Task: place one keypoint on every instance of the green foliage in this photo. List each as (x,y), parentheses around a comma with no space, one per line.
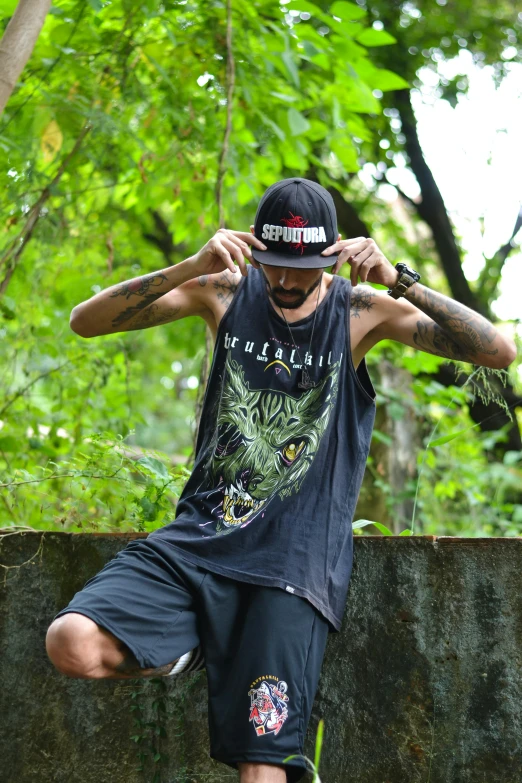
(97,434)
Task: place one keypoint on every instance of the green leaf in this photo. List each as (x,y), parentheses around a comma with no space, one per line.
(347,11)
(279,132)
(343,147)
(284,97)
(512,457)
(371,37)
(306,7)
(10,443)
(291,67)
(406,532)
(298,124)
(154,466)
(382,79)
(96,5)
(451,436)
(318,744)
(364,522)
(384,530)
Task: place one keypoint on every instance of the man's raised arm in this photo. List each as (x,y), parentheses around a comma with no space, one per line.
(166,295)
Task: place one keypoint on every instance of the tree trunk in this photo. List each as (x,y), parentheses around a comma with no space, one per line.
(402,455)
(18,43)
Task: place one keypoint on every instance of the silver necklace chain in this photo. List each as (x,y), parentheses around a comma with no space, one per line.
(305,382)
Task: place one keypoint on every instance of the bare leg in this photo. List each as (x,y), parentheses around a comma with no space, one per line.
(79,647)
(261,773)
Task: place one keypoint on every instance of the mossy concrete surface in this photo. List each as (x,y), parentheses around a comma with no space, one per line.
(423,684)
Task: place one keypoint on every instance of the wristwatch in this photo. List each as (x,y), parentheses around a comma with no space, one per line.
(407,277)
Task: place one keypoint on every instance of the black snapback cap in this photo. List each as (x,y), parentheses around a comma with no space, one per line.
(296,220)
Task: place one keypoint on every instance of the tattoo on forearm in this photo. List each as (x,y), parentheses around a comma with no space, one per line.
(140,287)
(459,333)
(362,298)
(226,287)
(152,316)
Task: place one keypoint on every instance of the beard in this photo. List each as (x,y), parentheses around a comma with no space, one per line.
(281,296)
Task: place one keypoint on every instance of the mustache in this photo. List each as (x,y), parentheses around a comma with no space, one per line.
(288,292)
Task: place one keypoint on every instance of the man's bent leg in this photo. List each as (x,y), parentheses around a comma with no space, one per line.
(261,773)
(134,618)
(78,647)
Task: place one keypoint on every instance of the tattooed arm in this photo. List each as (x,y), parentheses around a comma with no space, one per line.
(172,293)
(434,323)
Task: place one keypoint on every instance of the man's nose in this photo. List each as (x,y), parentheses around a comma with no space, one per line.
(287,278)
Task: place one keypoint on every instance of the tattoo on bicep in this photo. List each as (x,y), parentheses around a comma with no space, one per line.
(225,287)
(362,299)
(432,338)
(152,316)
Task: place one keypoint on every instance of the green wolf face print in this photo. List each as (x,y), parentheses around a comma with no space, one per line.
(265,442)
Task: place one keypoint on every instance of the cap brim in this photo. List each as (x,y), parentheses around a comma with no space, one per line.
(293,262)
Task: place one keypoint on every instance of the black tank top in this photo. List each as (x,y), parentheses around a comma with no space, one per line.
(278,468)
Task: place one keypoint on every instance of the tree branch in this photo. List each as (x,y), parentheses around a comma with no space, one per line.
(18,42)
(230,83)
(13,253)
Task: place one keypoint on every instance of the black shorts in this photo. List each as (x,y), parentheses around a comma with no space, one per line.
(263,646)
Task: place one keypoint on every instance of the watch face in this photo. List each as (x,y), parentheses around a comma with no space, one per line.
(402,267)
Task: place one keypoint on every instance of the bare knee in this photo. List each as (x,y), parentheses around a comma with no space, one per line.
(73,644)
(252,772)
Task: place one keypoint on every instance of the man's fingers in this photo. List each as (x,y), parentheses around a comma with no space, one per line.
(236,253)
(225,256)
(355,245)
(243,246)
(249,238)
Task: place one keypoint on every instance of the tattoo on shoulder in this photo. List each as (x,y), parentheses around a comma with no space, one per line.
(226,287)
(362,298)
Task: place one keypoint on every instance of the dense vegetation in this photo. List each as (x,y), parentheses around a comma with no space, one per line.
(136,129)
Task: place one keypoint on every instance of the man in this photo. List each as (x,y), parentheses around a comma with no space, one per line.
(252,574)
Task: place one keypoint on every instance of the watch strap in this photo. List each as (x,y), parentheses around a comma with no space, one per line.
(407,277)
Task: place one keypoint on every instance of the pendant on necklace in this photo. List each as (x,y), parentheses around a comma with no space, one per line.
(306,382)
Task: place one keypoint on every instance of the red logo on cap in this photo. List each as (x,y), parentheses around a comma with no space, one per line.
(296,221)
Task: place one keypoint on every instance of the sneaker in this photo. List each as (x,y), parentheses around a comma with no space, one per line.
(193,661)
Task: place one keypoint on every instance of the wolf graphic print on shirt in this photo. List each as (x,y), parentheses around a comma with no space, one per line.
(264,444)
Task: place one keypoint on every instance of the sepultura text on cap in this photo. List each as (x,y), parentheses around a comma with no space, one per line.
(296,220)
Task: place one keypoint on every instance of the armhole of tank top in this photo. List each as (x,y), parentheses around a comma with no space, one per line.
(225,318)
(218,336)
(361,374)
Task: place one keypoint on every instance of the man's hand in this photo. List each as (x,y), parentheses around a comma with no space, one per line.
(225,250)
(367,261)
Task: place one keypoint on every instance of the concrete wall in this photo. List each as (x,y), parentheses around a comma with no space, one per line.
(423,684)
